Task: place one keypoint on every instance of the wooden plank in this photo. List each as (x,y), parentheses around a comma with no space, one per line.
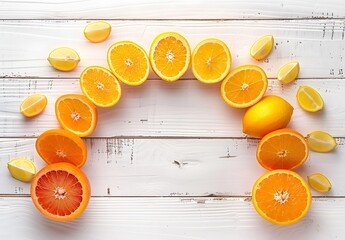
(181,109)
(317,44)
(165,9)
(172,167)
(170,219)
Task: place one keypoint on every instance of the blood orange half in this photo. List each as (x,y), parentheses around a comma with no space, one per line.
(60,191)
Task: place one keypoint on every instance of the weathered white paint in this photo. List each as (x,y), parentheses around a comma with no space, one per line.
(165,9)
(169,219)
(157,108)
(317,44)
(172,167)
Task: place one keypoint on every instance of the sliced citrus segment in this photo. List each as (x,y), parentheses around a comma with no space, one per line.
(60,191)
(170,56)
(100,86)
(211,60)
(269,114)
(76,113)
(129,62)
(282,149)
(22,169)
(320,141)
(244,86)
(288,73)
(33,105)
(281,197)
(59,145)
(319,182)
(97,31)
(64,59)
(262,47)
(309,99)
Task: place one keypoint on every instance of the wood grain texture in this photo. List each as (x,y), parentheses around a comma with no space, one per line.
(170,219)
(159,109)
(172,167)
(317,44)
(165,9)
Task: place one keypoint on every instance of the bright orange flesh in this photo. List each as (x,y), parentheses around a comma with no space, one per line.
(76,113)
(100,86)
(282,149)
(60,191)
(244,86)
(58,145)
(33,105)
(281,197)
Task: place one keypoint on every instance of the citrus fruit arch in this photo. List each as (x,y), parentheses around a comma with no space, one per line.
(280,196)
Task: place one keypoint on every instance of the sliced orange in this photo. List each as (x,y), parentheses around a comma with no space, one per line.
(281,197)
(59,145)
(60,191)
(100,86)
(33,105)
(170,56)
(97,31)
(211,60)
(76,113)
(129,62)
(244,86)
(282,149)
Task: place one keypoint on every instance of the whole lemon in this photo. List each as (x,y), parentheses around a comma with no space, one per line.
(269,114)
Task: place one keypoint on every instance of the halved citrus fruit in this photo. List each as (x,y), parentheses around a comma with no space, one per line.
(170,56)
(59,145)
(262,47)
(76,113)
(60,191)
(33,105)
(64,59)
(100,86)
(320,141)
(97,31)
(281,197)
(269,114)
(319,182)
(282,149)
(129,62)
(244,86)
(211,60)
(309,99)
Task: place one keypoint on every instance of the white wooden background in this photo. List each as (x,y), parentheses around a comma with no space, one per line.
(170,161)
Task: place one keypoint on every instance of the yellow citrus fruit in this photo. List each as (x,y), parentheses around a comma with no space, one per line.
(211,60)
(244,86)
(129,62)
(76,113)
(309,99)
(100,86)
(170,56)
(64,59)
(269,114)
(281,197)
(33,105)
(97,31)
(319,182)
(320,141)
(288,73)
(262,47)
(22,169)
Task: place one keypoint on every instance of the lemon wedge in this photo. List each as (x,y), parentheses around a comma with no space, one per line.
(288,73)
(22,169)
(320,141)
(33,105)
(262,47)
(64,59)
(97,31)
(309,99)
(319,182)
